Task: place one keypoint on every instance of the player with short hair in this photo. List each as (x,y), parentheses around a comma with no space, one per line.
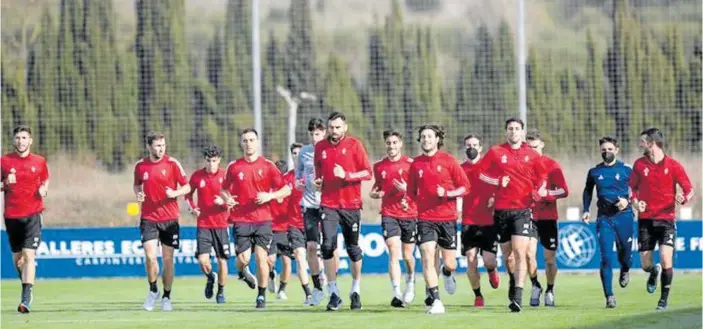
(251,182)
(516,170)
(545,216)
(477,231)
(341,163)
(212,226)
(435,181)
(398,215)
(25,183)
(653,182)
(310,204)
(615,224)
(156,180)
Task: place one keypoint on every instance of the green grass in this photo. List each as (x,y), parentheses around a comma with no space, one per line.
(117,303)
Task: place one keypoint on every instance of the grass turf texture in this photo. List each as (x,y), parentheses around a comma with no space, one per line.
(116,303)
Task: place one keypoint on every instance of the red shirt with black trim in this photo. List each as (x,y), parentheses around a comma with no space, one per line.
(22,197)
(546,208)
(350,154)
(655,184)
(244,180)
(474,206)
(427,173)
(208,185)
(385,172)
(155,177)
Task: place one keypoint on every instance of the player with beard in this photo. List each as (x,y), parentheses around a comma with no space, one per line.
(435,181)
(398,215)
(156,180)
(341,164)
(250,183)
(653,183)
(25,183)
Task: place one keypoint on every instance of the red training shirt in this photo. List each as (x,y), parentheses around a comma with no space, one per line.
(155,177)
(474,208)
(22,198)
(655,184)
(384,172)
(295,211)
(244,180)
(429,172)
(546,208)
(526,174)
(350,154)
(209,186)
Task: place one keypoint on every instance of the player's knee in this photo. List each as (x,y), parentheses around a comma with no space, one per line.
(550,260)
(355,253)
(311,247)
(450,266)
(605,262)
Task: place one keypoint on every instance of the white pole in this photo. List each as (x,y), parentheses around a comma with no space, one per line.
(292,119)
(256,68)
(521,61)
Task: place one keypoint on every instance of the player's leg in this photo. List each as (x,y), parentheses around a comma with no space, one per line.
(243,243)
(222,252)
(503,230)
(447,243)
(263,237)
(297,238)
(407,239)
(223,272)
(150,238)
(666,255)
(624,229)
(391,232)
(647,240)
(606,238)
(330,220)
(168,236)
(520,241)
(286,254)
(472,273)
(536,292)
(549,238)
(27,234)
(427,237)
(205,240)
(311,219)
(272,257)
(350,221)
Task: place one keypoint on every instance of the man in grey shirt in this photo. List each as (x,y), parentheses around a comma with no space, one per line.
(305,181)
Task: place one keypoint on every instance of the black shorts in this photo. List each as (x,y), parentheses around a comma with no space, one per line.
(166,232)
(280,245)
(296,238)
(653,231)
(348,219)
(406,229)
(24,233)
(477,236)
(213,238)
(444,233)
(312,218)
(513,222)
(548,233)
(247,235)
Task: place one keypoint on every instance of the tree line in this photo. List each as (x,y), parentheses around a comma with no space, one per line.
(83,94)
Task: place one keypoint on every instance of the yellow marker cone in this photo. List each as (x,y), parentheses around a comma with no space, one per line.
(133,208)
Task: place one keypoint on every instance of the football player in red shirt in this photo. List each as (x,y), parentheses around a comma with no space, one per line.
(280,246)
(250,183)
(156,181)
(398,215)
(341,163)
(435,182)
(477,231)
(545,216)
(25,183)
(653,184)
(212,225)
(516,170)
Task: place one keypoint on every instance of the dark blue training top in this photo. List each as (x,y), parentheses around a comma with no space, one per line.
(611,182)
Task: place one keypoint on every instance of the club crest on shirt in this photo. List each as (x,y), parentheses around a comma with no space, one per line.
(33,169)
(163,172)
(241,175)
(646,171)
(202,183)
(527,158)
(439,168)
(383,174)
(324,154)
(344,151)
(419,173)
(261,173)
(617,176)
(145,176)
(220,180)
(666,171)
(504,159)
(400,171)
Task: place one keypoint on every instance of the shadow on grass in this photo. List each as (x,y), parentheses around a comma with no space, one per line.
(687,318)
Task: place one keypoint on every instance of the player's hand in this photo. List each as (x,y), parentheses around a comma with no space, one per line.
(641,205)
(263,197)
(622,203)
(376,193)
(339,171)
(300,185)
(404,204)
(586,218)
(231,202)
(170,193)
(680,199)
(43,190)
(441,191)
(318,183)
(12,178)
(401,185)
(504,181)
(491,201)
(141,196)
(542,192)
(195,212)
(219,200)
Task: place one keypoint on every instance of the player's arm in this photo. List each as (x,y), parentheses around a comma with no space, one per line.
(181,179)
(376,192)
(189,196)
(276,180)
(588,192)
(556,178)
(681,179)
(489,172)
(539,180)
(634,184)
(299,173)
(361,161)
(138,188)
(460,181)
(412,182)
(230,200)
